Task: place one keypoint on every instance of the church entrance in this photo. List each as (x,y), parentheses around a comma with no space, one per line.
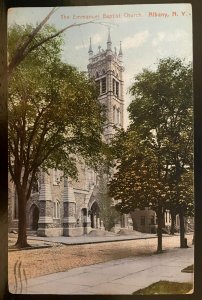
(94,215)
(34,217)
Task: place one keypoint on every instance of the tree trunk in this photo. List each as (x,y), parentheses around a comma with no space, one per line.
(172,228)
(183,241)
(22,225)
(159,229)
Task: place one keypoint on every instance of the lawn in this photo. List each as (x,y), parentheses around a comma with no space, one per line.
(166,287)
(189,269)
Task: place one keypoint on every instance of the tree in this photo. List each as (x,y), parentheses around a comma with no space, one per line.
(54,118)
(182,201)
(161,116)
(163,104)
(140,181)
(108,213)
(32,41)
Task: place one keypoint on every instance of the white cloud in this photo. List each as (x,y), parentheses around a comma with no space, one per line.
(176,43)
(96,38)
(160,37)
(178,35)
(136,40)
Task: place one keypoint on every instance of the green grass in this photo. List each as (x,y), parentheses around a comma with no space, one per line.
(165,287)
(189,269)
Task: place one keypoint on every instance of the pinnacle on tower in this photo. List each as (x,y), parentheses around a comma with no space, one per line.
(109,42)
(115,50)
(120,51)
(90,51)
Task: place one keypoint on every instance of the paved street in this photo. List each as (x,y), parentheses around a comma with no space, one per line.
(121,276)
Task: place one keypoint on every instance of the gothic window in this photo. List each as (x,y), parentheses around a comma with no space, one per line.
(56,176)
(117,89)
(56,209)
(35,187)
(118,116)
(97,74)
(114,114)
(103,71)
(97,82)
(114,86)
(103,85)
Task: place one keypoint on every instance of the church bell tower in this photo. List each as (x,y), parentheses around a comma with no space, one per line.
(106,68)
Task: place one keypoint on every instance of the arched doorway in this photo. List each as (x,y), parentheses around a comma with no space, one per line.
(34,217)
(94,215)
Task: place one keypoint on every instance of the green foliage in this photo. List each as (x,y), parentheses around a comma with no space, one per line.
(108,213)
(54,115)
(155,154)
(165,287)
(182,194)
(138,182)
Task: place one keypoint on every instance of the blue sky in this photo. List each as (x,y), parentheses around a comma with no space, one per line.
(147,33)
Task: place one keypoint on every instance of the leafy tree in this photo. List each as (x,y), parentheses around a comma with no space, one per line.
(108,213)
(163,104)
(32,41)
(54,118)
(161,117)
(141,180)
(182,201)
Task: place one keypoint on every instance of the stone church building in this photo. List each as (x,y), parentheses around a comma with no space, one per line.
(58,206)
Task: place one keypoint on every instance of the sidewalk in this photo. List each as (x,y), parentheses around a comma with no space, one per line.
(123,276)
(86,239)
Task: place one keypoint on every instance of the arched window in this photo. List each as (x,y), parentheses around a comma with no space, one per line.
(118,116)
(115,87)
(56,176)
(103,71)
(97,74)
(35,186)
(56,209)
(114,114)
(103,85)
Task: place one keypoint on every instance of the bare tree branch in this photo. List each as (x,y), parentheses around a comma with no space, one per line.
(23,50)
(56,34)
(20,51)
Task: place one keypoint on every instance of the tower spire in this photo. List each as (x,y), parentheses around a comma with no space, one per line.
(109,42)
(90,51)
(120,51)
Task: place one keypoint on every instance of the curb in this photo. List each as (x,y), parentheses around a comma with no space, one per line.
(30,248)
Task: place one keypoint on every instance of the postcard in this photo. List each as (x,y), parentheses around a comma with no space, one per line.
(100,150)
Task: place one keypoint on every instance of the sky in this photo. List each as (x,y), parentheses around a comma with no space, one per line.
(147,33)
